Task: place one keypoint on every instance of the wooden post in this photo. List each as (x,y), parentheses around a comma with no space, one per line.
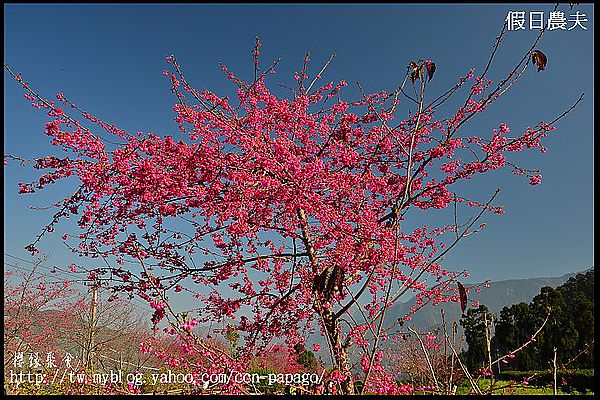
(488,341)
(554,367)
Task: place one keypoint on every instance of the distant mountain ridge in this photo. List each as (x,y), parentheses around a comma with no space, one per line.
(495,297)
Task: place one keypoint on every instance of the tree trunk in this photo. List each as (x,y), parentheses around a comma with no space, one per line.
(340,352)
(325,311)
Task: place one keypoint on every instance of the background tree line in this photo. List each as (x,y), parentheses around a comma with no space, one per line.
(570,328)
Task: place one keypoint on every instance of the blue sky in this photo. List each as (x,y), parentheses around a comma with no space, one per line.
(109,60)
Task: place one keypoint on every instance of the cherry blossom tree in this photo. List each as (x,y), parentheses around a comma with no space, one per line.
(424,360)
(47,326)
(39,316)
(282,215)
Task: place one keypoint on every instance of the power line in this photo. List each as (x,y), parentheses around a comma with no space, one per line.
(43,274)
(38,272)
(132,302)
(55,268)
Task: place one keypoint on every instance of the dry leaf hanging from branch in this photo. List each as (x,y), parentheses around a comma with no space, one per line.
(539,58)
(463,297)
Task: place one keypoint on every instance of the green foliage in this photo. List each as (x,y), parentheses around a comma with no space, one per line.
(512,329)
(474,325)
(306,357)
(570,328)
(232,337)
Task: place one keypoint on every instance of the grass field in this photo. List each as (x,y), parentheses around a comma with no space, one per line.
(465,388)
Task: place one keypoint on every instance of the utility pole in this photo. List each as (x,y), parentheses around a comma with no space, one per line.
(92,324)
